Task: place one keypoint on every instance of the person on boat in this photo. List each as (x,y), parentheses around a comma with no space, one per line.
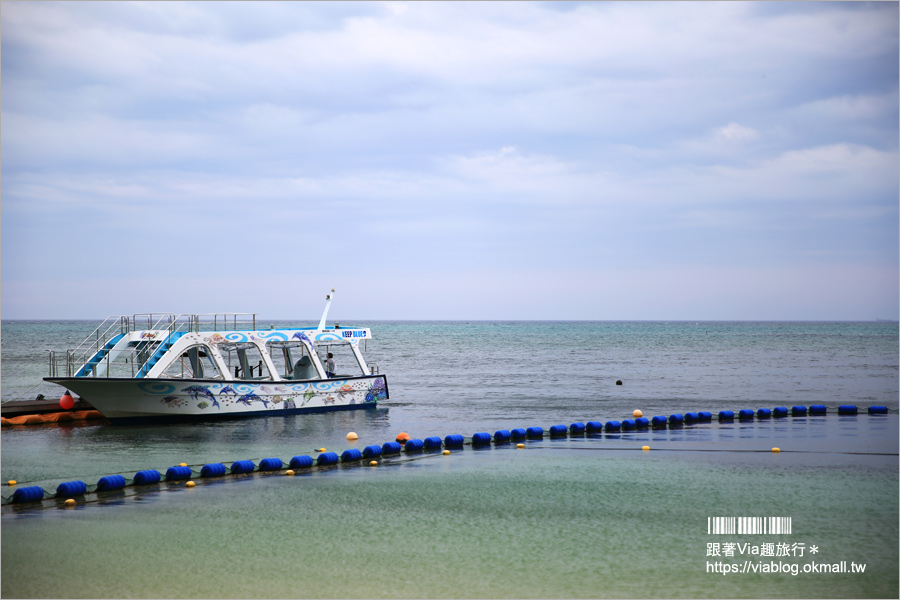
(329,366)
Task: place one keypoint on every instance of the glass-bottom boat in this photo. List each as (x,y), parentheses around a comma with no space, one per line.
(170,367)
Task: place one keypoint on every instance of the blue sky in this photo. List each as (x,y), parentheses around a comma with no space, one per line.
(479,160)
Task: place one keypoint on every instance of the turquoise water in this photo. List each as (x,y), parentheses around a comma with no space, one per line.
(576,517)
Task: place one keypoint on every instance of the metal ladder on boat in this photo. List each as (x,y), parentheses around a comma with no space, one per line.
(96,346)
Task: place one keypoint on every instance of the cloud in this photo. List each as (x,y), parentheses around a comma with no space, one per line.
(735,133)
(454,140)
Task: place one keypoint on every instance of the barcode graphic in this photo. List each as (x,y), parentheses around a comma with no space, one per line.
(748,525)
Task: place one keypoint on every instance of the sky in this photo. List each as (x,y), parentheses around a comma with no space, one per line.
(511,160)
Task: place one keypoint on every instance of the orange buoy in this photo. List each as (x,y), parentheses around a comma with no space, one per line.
(402,437)
(66,402)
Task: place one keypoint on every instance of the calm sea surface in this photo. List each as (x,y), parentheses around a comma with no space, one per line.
(578,517)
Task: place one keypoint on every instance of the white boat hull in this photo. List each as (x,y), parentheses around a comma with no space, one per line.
(154,400)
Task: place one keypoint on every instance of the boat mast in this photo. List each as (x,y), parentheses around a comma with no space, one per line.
(325,313)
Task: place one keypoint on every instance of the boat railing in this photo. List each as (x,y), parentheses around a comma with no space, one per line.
(195,322)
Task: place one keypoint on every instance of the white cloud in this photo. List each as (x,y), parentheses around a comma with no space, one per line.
(735,133)
(500,136)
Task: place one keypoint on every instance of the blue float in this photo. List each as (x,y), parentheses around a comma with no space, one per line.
(270,464)
(71,488)
(847,409)
(304,461)
(372,451)
(454,441)
(432,443)
(534,432)
(558,430)
(327,458)
(745,413)
(414,445)
(502,436)
(213,470)
(726,415)
(31,493)
(391,448)
(627,424)
(519,433)
(779,412)
(818,409)
(763,413)
(110,483)
(705,416)
(594,427)
(351,455)
(676,420)
(481,439)
(148,477)
(242,466)
(178,473)
(878,410)
(642,422)
(659,421)
(613,426)
(798,411)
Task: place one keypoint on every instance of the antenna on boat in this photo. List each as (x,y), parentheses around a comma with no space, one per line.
(328,298)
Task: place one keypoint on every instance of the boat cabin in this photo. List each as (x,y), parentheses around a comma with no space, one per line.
(225,347)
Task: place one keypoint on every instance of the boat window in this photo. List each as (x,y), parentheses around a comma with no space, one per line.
(288,356)
(245,361)
(345,363)
(194,363)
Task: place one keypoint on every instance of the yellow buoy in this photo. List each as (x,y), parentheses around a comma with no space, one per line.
(352,436)
(190,484)
(373,463)
(12,482)
(320,449)
(520,446)
(289,472)
(637,414)
(645,448)
(446,453)
(182,464)
(776,450)
(70,502)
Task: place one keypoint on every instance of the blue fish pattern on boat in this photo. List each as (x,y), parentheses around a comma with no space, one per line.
(196,391)
(302,337)
(377,391)
(246,399)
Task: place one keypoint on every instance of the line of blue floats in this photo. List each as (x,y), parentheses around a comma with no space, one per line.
(109,483)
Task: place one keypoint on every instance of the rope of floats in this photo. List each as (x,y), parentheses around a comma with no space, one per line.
(111,483)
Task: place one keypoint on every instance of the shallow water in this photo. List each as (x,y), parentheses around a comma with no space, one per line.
(573,517)
(579,517)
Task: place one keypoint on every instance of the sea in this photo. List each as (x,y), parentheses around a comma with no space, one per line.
(794,507)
